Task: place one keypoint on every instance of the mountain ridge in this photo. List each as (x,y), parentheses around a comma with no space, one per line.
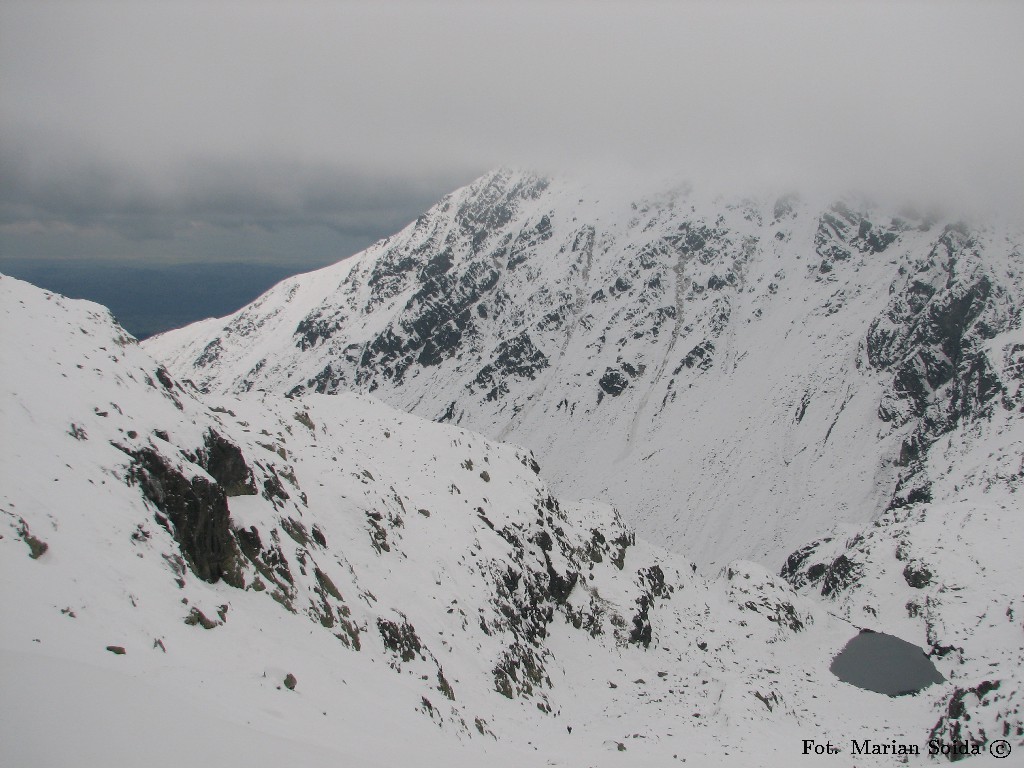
(585,324)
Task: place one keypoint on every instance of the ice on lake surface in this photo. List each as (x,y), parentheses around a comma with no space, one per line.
(885,664)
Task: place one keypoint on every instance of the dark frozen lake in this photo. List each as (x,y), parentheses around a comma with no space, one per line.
(885,664)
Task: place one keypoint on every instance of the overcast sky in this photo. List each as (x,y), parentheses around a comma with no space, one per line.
(299,132)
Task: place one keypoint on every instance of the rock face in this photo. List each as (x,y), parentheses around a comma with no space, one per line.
(224,461)
(195,511)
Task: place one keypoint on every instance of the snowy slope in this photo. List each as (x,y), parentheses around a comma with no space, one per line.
(947,574)
(735,376)
(434,601)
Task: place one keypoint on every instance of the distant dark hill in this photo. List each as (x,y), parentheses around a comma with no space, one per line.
(150,299)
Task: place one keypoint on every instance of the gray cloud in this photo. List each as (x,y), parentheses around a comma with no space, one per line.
(72,204)
(152,120)
(229,193)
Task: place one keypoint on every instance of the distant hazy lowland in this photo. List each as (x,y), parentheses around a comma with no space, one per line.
(149,299)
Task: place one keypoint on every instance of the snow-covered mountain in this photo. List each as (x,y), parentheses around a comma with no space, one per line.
(185,561)
(734,375)
(831,391)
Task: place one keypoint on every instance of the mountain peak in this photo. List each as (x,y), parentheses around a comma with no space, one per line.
(550,313)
